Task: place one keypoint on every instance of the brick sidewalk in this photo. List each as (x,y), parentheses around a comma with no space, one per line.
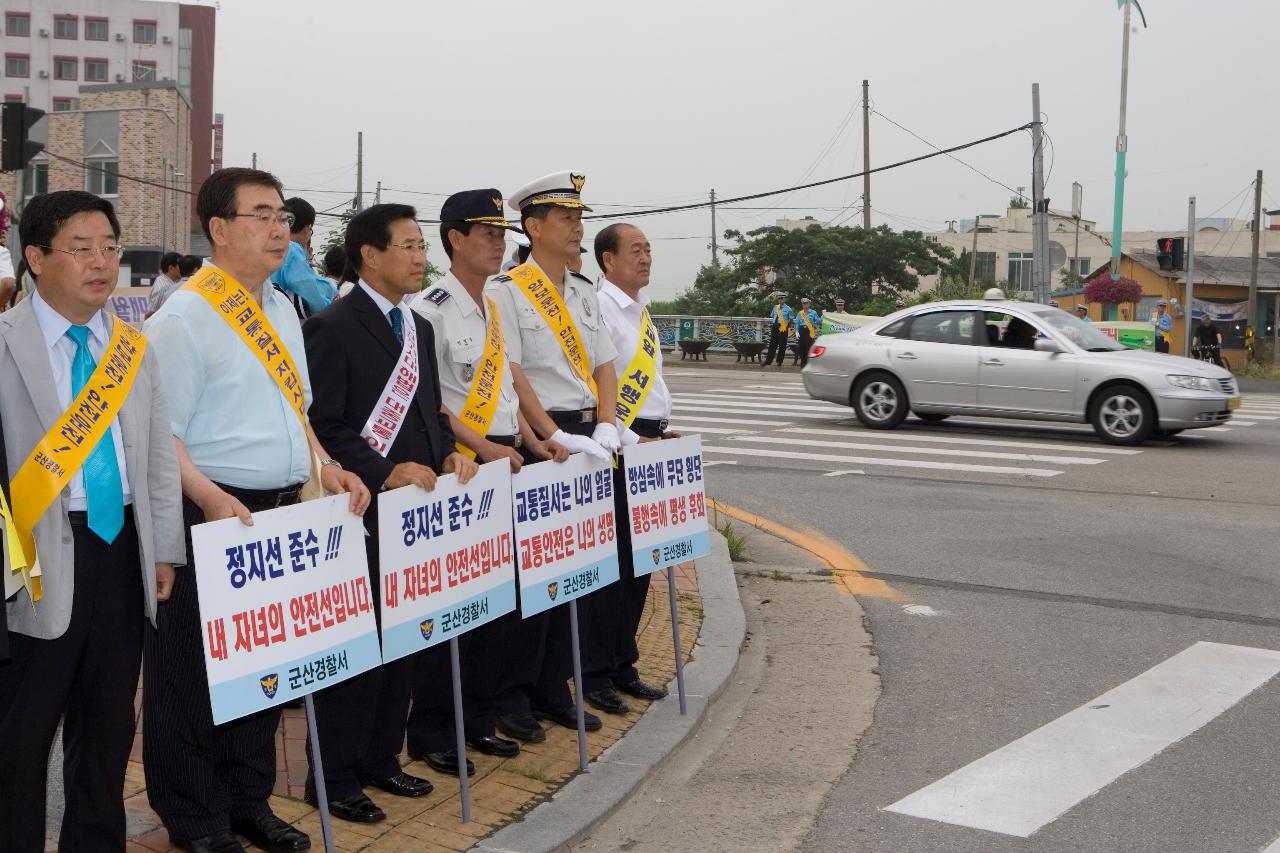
(501,789)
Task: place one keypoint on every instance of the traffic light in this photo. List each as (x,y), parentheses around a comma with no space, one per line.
(16,150)
(1169,253)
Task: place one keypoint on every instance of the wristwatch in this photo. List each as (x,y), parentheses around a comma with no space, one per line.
(330,462)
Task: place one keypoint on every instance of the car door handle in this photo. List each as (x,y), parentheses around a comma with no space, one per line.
(908,355)
(993,362)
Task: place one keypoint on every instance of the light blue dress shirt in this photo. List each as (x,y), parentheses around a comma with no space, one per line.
(787,315)
(62,350)
(814,319)
(236,425)
(296,276)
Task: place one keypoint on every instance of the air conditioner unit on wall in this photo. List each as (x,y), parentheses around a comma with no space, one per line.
(166,39)
(119,78)
(43,73)
(119,36)
(44,32)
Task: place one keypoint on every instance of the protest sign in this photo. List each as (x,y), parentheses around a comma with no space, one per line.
(666,503)
(447,559)
(566,542)
(285,605)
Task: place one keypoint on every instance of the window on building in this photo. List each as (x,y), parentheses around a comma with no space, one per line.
(184,62)
(17,65)
(17,24)
(62,105)
(1020,270)
(1081,266)
(984,267)
(95,70)
(144,71)
(65,68)
(95,29)
(101,177)
(12,98)
(144,32)
(66,27)
(35,179)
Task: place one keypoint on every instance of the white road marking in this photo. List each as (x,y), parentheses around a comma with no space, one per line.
(790,412)
(720,420)
(887,435)
(1253,413)
(709,462)
(928,451)
(918,610)
(1273,847)
(768,389)
(811,406)
(883,461)
(842,473)
(1235,422)
(707,430)
(1027,784)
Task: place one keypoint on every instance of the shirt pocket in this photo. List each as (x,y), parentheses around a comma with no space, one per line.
(534,335)
(466,360)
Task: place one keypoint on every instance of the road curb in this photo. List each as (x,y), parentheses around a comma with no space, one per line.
(592,796)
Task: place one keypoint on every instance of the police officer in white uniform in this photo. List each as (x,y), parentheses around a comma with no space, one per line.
(473,230)
(558,404)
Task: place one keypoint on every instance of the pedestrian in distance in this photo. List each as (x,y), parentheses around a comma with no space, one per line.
(807,325)
(1163,325)
(780,317)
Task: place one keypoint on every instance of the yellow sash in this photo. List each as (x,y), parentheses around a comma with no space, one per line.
(481,405)
(234,304)
(17,561)
(65,447)
(808,324)
(552,308)
(637,380)
(777,315)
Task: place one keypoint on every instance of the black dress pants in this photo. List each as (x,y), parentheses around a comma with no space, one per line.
(805,342)
(200,776)
(777,345)
(90,674)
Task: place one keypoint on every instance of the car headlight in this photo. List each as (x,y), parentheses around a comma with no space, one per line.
(1192,383)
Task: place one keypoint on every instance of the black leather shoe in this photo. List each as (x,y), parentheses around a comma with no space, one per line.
(521,727)
(568,717)
(640,690)
(219,842)
(272,834)
(401,784)
(494,745)
(445,762)
(607,699)
(357,809)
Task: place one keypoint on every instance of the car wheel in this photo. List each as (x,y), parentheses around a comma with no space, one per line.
(1122,414)
(879,401)
(931,417)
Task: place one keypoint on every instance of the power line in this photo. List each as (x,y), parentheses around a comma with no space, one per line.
(957,159)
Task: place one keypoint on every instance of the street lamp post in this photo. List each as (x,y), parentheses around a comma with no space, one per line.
(1122,140)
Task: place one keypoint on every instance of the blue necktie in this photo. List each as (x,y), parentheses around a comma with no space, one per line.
(102,485)
(397,323)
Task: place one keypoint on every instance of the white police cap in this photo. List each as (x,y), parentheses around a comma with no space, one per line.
(563,189)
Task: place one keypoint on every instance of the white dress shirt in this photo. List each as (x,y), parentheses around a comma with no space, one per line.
(62,352)
(622,317)
(537,349)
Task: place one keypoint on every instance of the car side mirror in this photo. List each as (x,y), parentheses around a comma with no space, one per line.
(1048,345)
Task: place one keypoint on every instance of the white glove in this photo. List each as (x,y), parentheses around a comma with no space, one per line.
(606,435)
(629,437)
(580,444)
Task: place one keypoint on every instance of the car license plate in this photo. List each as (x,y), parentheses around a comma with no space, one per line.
(1233,403)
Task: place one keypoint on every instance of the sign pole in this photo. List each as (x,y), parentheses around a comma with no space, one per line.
(464,783)
(577,683)
(317,774)
(675,636)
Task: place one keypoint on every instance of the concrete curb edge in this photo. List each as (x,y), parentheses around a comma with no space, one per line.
(592,796)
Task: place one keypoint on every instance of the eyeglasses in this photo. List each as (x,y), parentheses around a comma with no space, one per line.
(267,218)
(85,255)
(411,247)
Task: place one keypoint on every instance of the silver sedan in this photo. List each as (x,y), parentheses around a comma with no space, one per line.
(1009,359)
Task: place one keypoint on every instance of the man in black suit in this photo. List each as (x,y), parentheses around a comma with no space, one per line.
(355,348)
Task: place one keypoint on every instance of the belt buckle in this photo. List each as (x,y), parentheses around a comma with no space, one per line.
(587,415)
(519,441)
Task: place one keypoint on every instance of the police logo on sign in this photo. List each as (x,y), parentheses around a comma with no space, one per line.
(552,589)
(269,683)
(657,556)
(427,626)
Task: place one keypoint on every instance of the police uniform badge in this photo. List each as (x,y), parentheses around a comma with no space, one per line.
(552,589)
(586,309)
(468,372)
(427,626)
(269,684)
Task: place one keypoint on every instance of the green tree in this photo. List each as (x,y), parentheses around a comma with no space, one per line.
(720,291)
(1018,203)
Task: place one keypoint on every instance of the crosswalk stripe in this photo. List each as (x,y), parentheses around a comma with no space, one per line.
(742,410)
(887,435)
(771,389)
(882,461)
(1253,413)
(703,399)
(745,421)
(1273,847)
(682,428)
(1235,422)
(752,396)
(924,451)
(1025,785)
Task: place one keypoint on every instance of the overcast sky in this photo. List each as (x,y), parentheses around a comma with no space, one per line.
(658,102)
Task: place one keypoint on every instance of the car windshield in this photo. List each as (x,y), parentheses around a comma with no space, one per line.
(1084,335)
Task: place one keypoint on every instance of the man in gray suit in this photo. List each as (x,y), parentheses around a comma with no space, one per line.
(108,540)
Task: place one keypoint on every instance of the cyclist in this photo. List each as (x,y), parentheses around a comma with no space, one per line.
(1209,339)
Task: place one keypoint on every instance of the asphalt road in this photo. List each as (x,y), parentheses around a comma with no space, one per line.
(1056,592)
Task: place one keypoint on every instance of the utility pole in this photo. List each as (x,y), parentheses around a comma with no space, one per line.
(1040,210)
(1077,207)
(377,193)
(715,243)
(360,170)
(1189,294)
(866,155)
(1251,323)
(973,254)
(1122,148)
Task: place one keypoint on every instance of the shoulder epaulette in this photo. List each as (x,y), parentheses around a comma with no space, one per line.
(503,278)
(438,295)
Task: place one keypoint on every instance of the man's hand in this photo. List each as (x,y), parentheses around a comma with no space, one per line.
(218,505)
(548,449)
(490,451)
(164,581)
(581,444)
(411,474)
(672,434)
(606,435)
(456,463)
(337,481)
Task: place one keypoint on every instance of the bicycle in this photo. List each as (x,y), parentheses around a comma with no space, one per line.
(1210,353)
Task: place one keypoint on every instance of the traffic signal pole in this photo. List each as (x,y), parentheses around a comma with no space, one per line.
(1122,148)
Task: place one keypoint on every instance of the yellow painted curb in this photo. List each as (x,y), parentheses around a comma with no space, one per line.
(846,568)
